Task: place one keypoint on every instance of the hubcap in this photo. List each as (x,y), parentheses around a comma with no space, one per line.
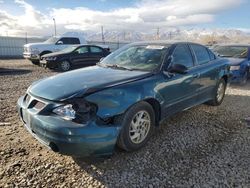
(220,92)
(65,65)
(139,127)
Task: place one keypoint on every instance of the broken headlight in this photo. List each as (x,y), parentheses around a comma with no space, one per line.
(66,112)
(78,110)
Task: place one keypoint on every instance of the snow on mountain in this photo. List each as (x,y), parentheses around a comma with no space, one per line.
(193,34)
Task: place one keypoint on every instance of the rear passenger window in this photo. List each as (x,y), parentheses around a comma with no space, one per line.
(201,54)
(182,56)
(94,49)
(70,40)
(74,41)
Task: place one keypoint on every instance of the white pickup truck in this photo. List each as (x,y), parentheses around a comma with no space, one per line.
(33,51)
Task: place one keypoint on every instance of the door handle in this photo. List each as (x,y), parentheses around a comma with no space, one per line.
(197,75)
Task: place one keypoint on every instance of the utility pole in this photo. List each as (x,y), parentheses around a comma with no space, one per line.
(54,25)
(26,38)
(103,40)
(170,35)
(158,33)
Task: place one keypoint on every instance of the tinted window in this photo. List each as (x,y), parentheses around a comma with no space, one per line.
(94,49)
(82,50)
(211,55)
(69,40)
(201,54)
(182,56)
(231,51)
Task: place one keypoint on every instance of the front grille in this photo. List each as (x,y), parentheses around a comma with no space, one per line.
(27,99)
(38,105)
(26,49)
(31,102)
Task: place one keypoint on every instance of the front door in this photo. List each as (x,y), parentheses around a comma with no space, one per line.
(80,56)
(179,90)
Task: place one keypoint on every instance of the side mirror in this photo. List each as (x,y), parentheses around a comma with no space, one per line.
(178,68)
(59,42)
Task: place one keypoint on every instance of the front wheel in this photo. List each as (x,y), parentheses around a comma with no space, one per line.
(219,93)
(64,65)
(137,126)
(35,62)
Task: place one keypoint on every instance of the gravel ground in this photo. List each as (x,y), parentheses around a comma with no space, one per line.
(201,147)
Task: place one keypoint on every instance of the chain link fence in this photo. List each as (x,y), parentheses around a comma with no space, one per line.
(12,47)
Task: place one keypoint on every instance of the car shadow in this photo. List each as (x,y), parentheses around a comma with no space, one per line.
(239,86)
(6,71)
(180,146)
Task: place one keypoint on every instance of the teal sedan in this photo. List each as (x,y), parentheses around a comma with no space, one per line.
(120,101)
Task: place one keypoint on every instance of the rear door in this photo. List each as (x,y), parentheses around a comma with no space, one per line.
(179,90)
(208,67)
(96,53)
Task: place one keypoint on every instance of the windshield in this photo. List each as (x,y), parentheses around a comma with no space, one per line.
(69,49)
(51,40)
(138,57)
(231,51)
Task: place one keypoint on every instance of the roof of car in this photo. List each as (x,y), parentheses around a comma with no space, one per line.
(164,42)
(232,44)
(102,46)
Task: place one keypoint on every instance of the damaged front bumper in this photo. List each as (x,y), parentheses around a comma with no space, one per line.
(67,137)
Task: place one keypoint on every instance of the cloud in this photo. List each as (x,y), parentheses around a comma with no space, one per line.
(145,15)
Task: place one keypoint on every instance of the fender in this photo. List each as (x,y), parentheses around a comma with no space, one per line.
(116,100)
(225,71)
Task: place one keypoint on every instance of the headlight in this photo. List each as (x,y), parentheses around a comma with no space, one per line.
(232,68)
(66,112)
(78,111)
(34,51)
(51,58)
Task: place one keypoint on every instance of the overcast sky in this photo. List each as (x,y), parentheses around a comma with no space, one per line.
(36,17)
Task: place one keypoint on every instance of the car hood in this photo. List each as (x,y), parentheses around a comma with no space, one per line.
(34,44)
(82,82)
(236,61)
(55,54)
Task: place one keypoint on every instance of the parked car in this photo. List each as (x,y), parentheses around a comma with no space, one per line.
(33,51)
(239,57)
(78,55)
(123,98)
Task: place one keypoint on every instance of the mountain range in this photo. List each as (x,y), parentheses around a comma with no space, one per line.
(198,35)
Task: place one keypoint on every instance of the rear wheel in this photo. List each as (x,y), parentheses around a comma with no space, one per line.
(137,126)
(64,65)
(219,93)
(245,78)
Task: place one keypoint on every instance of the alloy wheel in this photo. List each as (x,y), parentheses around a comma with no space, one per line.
(65,65)
(139,127)
(220,91)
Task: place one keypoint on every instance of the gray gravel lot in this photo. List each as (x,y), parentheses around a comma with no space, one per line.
(201,147)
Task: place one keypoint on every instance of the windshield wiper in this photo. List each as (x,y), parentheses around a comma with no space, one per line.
(118,67)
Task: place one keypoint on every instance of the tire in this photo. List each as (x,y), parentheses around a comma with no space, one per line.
(64,65)
(134,136)
(219,93)
(245,78)
(43,53)
(34,62)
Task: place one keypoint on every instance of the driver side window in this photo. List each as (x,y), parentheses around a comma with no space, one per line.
(82,50)
(183,56)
